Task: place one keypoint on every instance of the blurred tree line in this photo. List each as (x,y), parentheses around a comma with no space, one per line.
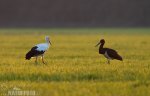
(74,13)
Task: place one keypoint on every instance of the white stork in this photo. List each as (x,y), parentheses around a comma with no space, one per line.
(39,50)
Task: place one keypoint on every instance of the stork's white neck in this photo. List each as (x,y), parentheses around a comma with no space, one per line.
(47,40)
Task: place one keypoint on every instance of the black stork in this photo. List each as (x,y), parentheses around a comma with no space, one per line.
(110,54)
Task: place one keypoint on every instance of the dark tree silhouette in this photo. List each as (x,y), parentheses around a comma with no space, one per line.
(74,13)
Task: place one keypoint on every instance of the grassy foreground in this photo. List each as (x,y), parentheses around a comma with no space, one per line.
(74,67)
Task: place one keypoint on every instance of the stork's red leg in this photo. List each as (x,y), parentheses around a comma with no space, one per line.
(43,59)
(36,59)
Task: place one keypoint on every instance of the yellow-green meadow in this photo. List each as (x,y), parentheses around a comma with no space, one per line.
(74,66)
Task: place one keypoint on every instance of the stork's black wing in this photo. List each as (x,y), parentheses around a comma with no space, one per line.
(113,54)
(33,52)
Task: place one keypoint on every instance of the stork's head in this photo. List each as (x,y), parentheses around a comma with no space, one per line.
(102,41)
(48,40)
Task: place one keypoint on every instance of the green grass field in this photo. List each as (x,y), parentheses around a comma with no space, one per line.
(74,67)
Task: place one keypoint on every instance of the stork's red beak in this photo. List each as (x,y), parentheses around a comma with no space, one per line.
(50,43)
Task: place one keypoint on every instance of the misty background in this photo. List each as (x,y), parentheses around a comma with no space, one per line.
(74,13)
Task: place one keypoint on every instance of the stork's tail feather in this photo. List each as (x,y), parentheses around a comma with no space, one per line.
(119,58)
(29,55)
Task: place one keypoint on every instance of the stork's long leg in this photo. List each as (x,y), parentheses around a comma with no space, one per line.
(43,59)
(36,59)
(108,61)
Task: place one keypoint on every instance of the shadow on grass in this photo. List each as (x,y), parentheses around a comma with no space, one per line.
(47,77)
(68,77)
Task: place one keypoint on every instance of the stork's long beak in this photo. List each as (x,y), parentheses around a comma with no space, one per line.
(97,44)
(50,43)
